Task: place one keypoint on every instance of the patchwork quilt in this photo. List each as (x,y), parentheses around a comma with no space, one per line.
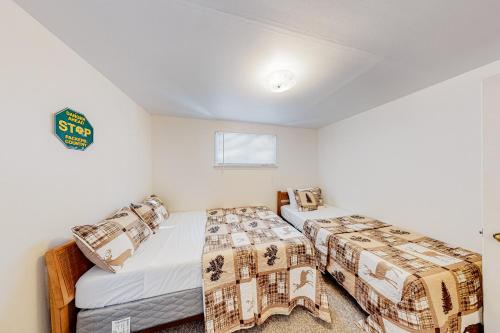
(406,282)
(256,265)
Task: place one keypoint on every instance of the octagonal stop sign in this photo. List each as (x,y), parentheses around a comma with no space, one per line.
(73,129)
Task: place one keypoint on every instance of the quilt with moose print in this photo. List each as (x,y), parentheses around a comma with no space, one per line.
(256,265)
(405,281)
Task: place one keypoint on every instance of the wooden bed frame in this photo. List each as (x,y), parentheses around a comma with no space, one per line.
(65,265)
(282,200)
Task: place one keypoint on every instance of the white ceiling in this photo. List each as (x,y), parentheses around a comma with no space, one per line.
(207,58)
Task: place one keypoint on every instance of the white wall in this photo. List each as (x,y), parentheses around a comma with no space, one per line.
(183,171)
(414,162)
(44,187)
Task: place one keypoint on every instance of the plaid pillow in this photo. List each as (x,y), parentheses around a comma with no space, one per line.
(306,200)
(152,211)
(316,191)
(111,242)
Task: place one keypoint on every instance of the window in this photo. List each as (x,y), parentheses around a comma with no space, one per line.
(242,149)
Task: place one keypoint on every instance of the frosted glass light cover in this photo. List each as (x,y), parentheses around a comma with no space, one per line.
(242,149)
(280,81)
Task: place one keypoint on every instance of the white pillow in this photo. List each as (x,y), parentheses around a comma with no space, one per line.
(291,197)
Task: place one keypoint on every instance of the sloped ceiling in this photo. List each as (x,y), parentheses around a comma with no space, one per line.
(208,58)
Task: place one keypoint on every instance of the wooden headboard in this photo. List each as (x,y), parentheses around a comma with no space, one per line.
(282,199)
(65,265)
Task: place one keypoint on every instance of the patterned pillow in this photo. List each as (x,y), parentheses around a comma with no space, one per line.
(318,195)
(306,200)
(152,211)
(111,242)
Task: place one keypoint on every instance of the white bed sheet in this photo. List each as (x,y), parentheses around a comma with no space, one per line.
(297,219)
(169,261)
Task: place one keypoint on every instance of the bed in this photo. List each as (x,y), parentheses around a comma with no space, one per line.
(405,281)
(160,286)
(255,265)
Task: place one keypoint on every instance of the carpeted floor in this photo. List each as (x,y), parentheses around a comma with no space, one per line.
(344,310)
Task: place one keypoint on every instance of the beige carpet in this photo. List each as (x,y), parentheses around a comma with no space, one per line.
(344,310)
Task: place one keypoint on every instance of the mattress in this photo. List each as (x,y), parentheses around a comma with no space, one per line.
(145,313)
(168,262)
(297,219)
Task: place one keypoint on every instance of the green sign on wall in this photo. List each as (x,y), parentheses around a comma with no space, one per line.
(73,129)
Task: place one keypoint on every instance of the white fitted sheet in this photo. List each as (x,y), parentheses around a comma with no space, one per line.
(297,219)
(169,261)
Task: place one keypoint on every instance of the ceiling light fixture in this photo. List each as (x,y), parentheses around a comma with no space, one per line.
(280,81)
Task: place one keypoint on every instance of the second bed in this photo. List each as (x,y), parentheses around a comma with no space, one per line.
(405,281)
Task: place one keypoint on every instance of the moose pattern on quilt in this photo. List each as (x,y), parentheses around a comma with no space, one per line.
(256,265)
(405,281)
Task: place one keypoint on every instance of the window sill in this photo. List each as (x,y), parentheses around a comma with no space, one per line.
(243,166)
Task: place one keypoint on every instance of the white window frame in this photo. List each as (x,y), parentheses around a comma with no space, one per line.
(245,165)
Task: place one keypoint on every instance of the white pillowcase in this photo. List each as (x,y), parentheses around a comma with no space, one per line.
(291,197)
